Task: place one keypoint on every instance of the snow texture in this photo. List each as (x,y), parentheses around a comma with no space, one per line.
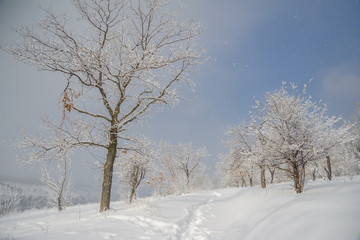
(326,210)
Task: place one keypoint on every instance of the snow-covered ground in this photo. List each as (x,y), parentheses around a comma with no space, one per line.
(326,210)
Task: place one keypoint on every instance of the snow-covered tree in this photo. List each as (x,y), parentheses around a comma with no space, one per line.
(289,132)
(344,162)
(132,169)
(9,199)
(127,58)
(241,163)
(245,156)
(52,154)
(344,159)
(295,131)
(179,168)
(356,132)
(58,181)
(189,163)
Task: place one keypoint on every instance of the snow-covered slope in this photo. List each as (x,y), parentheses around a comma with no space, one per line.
(326,210)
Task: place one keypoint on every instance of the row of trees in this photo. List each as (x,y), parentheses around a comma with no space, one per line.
(170,169)
(166,169)
(291,135)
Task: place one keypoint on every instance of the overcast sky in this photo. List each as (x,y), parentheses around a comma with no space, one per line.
(253,45)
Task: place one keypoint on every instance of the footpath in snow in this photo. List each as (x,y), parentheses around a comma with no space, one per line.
(326,210)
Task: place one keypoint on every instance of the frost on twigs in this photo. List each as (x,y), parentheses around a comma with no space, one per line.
(134,164)
(178,169)
(58,180)
(9,199)
(51,151)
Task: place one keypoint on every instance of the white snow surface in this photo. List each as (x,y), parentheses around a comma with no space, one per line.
(326,210)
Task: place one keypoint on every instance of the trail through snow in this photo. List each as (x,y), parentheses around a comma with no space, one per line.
(327,210)
(196,216)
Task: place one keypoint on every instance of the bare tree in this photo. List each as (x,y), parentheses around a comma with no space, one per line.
(59,182)
(9,199)
(178,168)
(189,163)
(135,55)
(272,173)
(242,158)
(133,168)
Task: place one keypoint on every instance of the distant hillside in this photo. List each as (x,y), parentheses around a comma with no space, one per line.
(33,194)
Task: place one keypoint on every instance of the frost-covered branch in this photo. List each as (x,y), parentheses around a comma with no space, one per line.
(58,140)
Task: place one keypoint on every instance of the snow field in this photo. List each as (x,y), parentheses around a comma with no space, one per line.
(326,210)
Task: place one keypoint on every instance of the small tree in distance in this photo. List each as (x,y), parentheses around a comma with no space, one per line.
(59,182)
(189,163)
(241,162)
(135,56)
(9,199)
(133,168)
(356,133)
(178,168)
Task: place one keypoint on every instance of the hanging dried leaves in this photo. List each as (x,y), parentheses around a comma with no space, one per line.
(68,99)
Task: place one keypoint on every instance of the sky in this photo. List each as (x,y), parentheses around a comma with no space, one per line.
(253,47)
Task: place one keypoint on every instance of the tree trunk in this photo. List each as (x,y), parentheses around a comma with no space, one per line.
(328,168)
(272,174)
(297,184)
(302,177)
(108,172)
(297,178)
(262,177)
(59,205)
(61,190)
(188,181)
(314,175)
(132,194)
(243,184)
(135,184)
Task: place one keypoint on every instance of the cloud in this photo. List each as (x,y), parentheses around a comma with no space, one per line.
(340,88)
(229,23)
(342,81)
